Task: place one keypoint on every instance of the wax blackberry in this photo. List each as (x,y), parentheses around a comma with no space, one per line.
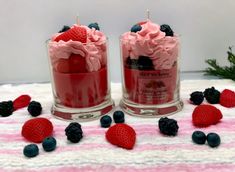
(74,132)
(167,29)
(132,63)
(212,95)
(168,126)
(196,97)
(145,63)
(6,108)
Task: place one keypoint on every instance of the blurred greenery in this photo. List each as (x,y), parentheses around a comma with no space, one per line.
(215,69)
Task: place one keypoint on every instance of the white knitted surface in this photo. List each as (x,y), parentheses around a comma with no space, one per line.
(152,152)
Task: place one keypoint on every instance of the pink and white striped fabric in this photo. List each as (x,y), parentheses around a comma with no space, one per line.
(152,152)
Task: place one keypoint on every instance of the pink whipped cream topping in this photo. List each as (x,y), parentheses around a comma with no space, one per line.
(151,41)
(94,51)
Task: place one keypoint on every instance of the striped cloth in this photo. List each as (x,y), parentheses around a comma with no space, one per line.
(152,152)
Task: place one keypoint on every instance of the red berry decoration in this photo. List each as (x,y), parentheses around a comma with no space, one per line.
(121,135)
(75,34)
(227,98)
(37,129)
(205,115)
(75,64)
(21,102)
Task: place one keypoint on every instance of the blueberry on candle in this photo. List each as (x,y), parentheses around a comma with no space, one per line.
(136,28)
(94,25)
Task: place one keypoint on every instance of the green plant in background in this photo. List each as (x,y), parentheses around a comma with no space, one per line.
(227,72)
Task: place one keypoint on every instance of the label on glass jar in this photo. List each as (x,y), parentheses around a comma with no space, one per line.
(151,87)
(156,87)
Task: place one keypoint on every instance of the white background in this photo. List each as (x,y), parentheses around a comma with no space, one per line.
(207,28)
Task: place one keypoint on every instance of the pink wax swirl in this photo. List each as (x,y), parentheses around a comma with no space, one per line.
(94,50)
(151,41)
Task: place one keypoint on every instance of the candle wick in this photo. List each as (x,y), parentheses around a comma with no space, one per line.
(77,20)
(148,14)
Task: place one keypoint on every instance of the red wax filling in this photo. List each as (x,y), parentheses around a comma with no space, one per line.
(80,90)
(150,87)
(75,64)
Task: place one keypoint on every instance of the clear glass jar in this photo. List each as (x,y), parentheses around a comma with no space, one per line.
(79,94)
(150,85)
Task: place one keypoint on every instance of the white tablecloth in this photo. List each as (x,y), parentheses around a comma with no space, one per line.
(152,152)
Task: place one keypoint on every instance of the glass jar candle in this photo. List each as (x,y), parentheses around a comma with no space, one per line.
(150,71)
(79,77)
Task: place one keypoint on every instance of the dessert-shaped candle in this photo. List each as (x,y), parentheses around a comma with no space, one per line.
(150,54)
(78,57)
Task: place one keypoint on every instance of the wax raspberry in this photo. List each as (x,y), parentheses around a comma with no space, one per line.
(227,98)
(206,115)
(37,129)
(121,135)
(21,102)
(76,33)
